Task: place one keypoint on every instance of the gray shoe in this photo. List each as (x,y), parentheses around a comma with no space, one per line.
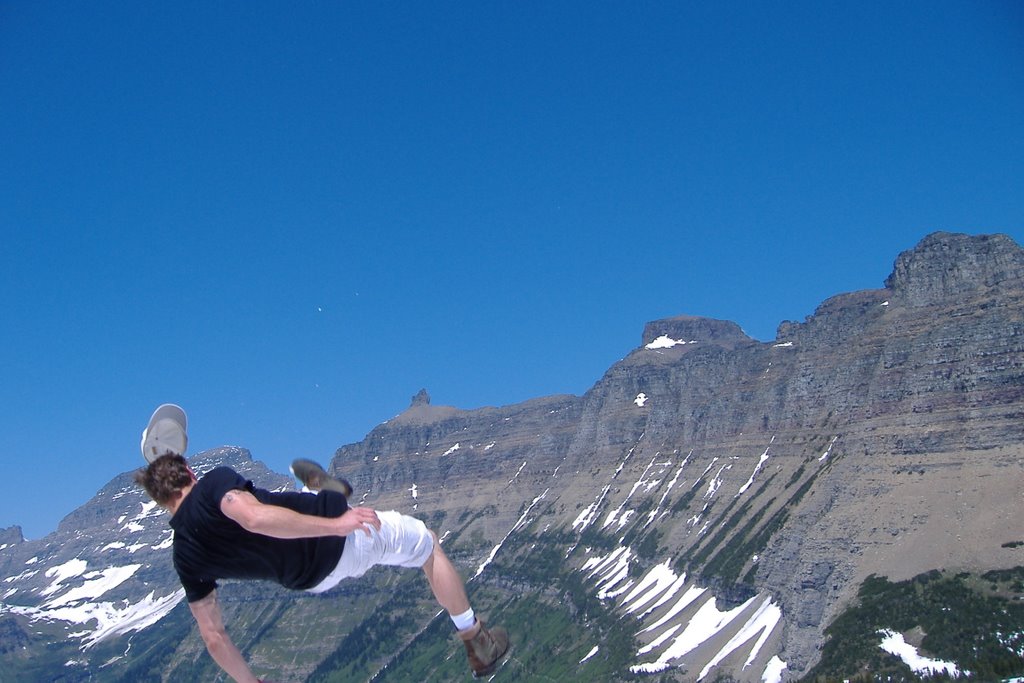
(485,647)
(313,476)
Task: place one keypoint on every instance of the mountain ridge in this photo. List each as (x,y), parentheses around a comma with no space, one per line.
(705,476)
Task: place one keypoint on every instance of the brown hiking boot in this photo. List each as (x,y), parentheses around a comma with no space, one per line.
(484,647)
(313,476)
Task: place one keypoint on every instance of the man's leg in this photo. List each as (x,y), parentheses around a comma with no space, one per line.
(406,542)
(315,478)
(445,581)
(484,647)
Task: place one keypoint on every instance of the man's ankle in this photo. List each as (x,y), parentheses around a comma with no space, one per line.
(472,631)
(463,621)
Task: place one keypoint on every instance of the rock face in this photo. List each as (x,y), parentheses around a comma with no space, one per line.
(881,435)
(11,536)
(946,266)
(705,478)
(104,575)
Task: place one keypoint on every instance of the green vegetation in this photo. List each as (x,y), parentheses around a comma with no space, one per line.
(649,546)
(976,622)
(728,563)
(370,643)
(548,644)
(684,501)
(704,551)
(1012,578)
(553,617)
(796,476)
(721,558)
(729,558)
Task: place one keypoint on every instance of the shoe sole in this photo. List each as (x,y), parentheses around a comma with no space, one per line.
(308,471)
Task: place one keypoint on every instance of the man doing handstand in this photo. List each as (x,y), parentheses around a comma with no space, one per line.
(226,528)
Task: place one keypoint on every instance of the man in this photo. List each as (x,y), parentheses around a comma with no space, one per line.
(226,528)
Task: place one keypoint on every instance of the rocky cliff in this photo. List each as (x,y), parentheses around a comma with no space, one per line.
(707,509)
(881,435)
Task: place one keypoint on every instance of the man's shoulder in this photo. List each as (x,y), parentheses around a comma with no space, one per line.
(220,471)
(221,474)
(219,481)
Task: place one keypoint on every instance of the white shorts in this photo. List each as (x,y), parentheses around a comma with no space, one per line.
(402,541)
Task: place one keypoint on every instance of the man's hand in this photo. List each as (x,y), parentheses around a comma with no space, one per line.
(358,519)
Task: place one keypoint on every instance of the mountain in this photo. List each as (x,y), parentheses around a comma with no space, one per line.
(713,508)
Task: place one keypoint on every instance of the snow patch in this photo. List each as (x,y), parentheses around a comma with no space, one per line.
(716,482)
(894,644)
(589,514)
(519,523)
(667,342)
(661,592)
(688,598)
(705,624)
(757,468)
(763,621)
(613,569)
(135,617)
(654,513)
(517,473)
(166,543)
(61,573)
(96,585)
(656,580)
(27,574)
(773,672)
(824,456)
(110,619)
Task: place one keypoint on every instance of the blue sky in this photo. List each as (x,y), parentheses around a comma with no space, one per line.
(290,217)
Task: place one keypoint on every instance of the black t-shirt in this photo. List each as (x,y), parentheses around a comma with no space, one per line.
(208,545)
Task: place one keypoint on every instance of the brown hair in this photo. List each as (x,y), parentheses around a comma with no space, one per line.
(164,478)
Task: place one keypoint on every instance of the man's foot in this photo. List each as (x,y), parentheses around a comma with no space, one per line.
(485,647)
(315,478)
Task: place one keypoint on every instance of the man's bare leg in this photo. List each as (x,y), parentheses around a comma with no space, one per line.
(444,580)
(485,647)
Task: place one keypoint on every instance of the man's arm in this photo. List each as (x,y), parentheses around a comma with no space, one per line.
(207,614)
(281,522)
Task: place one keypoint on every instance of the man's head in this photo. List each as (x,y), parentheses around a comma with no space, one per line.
(165,478)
